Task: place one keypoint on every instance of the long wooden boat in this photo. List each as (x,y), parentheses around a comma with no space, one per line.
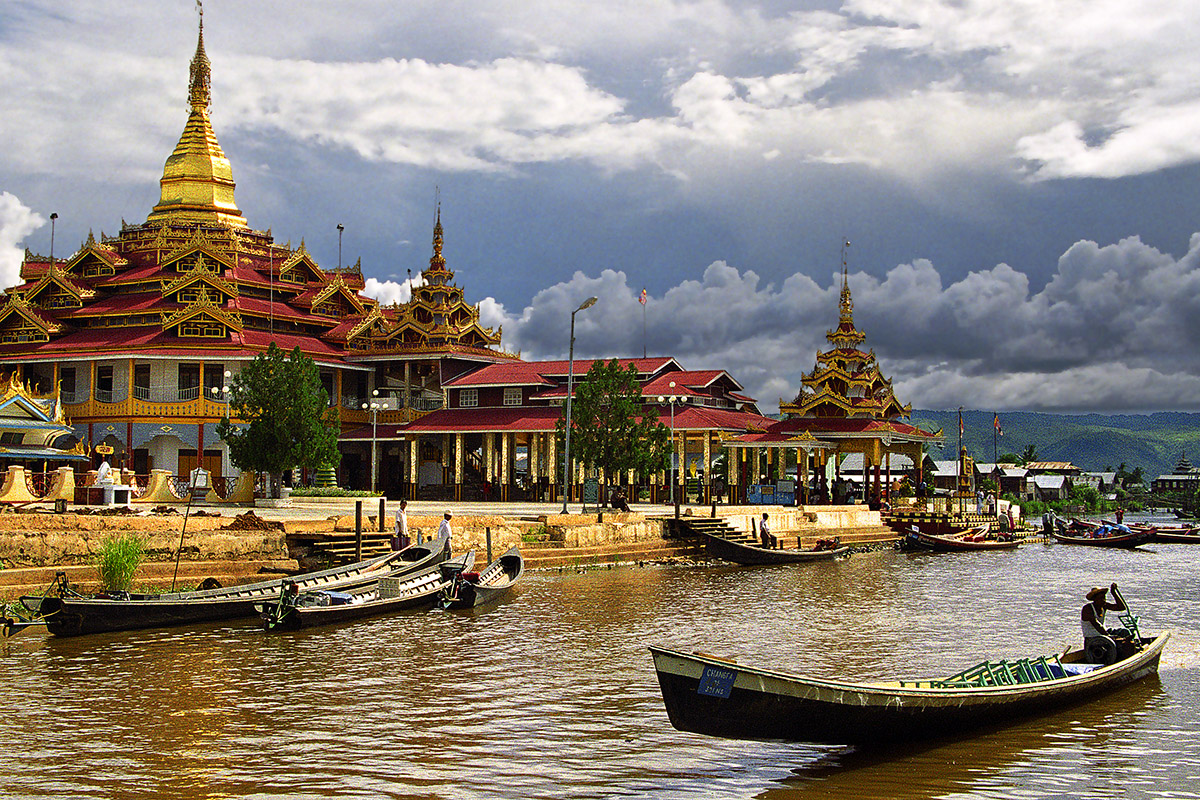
(978,538)
(1092,535)
(315,607)
(719,697)
(1171,534)
(70,614)
(495,581)
(729,550)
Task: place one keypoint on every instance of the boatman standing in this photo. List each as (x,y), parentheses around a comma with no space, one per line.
(400,540)
(1098,642)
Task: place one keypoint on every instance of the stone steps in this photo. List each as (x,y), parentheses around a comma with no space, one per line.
(540,556)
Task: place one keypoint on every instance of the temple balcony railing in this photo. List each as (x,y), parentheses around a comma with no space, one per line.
(392,416)
(135,408)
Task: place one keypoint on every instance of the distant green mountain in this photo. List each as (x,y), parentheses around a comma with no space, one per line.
(1092,442)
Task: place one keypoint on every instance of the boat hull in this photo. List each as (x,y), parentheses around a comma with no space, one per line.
(1126,541)
(918,540)
(496,581)
(79,616)
(720,547)
(764,704)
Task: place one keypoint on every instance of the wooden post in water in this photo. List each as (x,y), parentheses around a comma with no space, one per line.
(488,533)
(358,530)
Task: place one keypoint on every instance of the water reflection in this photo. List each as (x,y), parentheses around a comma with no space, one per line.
(553,694)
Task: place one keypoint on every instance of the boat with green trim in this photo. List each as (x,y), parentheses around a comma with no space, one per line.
(721,697)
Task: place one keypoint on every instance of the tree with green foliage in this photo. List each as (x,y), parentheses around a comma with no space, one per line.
(609,429)
(1030,454)
(290,421)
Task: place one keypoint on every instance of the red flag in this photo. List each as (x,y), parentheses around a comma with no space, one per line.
(642,297)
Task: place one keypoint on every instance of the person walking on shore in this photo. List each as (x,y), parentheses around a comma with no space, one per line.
(445,526)
(400,540)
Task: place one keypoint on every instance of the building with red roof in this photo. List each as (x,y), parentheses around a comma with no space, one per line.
(139,334)
(845,405)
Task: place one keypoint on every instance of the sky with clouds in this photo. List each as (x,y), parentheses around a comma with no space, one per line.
(1018,179)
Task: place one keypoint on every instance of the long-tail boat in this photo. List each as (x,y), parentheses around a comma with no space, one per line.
(295,609)
(1100,535)
(1171,534)
(472,590)
(978,538)
(67,613)
(729,550)
(720,697)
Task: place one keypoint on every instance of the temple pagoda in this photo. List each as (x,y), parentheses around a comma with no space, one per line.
(845,405)
(139,334)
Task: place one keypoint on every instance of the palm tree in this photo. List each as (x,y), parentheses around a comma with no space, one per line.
(1030,454)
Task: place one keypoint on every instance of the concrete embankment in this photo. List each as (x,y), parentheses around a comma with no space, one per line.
(233,546)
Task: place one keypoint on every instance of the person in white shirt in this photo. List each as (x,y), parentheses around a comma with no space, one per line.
(400,540)
(764,532)
(445,526)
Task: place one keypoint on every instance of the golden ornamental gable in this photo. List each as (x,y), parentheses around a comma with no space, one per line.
(300,267)
(335,287)
(204,308)
(199,274)
(199,244)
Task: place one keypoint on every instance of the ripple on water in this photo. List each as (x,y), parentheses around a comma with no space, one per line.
(553,693)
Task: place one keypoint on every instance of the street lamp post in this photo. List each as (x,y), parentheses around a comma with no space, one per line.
(374,407)
(672,400)
(591,301)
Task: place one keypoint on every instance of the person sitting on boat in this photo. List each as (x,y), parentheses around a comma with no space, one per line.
(1099,642)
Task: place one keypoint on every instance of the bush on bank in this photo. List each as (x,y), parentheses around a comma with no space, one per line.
(331,491)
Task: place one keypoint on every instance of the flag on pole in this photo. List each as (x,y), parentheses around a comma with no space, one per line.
(960,424)
(642,297)
(996,423)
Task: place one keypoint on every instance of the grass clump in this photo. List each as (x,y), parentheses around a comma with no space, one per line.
(118,561)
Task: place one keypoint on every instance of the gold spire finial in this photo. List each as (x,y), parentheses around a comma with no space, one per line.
(197,182)
(200,83)
(846,304)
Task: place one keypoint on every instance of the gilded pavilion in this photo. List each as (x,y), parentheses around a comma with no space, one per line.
(845,405)
(139,334)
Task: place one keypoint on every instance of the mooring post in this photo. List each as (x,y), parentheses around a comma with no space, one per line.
(382,512)
(358,530)
(488,533)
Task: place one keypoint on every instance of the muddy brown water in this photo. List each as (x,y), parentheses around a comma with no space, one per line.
(553,693)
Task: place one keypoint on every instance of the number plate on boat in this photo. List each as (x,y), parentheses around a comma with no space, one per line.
(716,682)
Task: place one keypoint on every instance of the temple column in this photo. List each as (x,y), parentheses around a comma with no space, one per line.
(706,493)
(458,466)
(552,465)
(446,439)
(412,468)
(407,385)
(488,448)
(505,471)
(535,464)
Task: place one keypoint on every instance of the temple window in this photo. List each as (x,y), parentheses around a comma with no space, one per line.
(202,328)
(512,396)
(468,398)
(12,437)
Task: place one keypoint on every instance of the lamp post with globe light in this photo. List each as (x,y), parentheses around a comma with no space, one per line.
(591,301)
(374,407)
